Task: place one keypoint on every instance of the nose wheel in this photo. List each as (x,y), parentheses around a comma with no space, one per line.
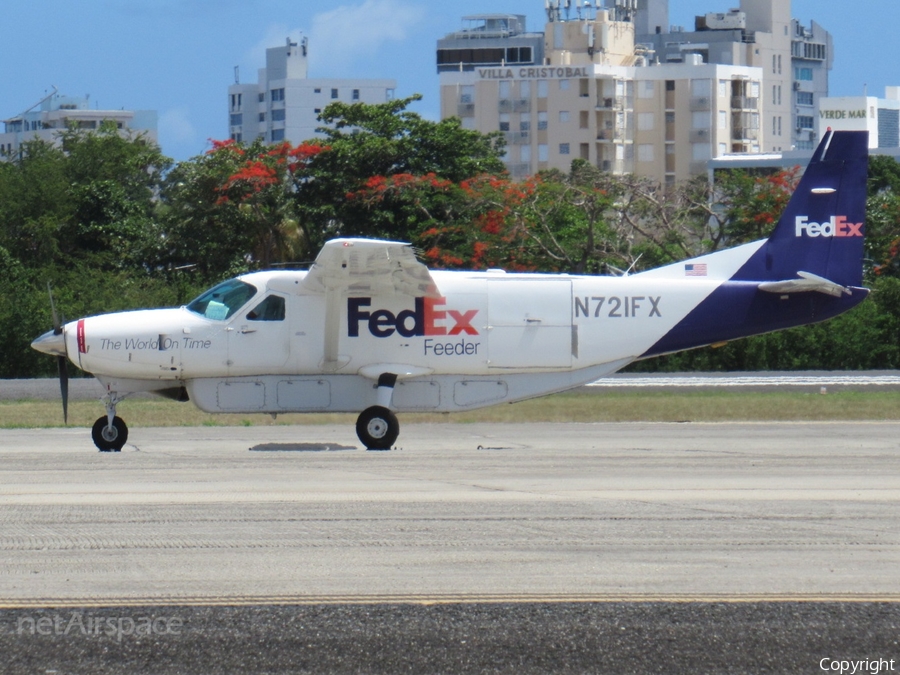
(109,437)
(110,432)
(377,428)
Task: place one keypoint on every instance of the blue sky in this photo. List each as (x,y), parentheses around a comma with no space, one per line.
(178,56)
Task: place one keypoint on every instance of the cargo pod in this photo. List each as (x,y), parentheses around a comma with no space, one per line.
(530,323)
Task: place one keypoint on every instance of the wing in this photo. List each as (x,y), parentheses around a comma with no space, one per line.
(346,267)
(370,267)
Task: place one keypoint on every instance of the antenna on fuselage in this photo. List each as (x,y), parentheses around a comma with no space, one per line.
(625,273)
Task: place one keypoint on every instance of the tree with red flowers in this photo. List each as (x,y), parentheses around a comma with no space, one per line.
(235,207)
(750,204)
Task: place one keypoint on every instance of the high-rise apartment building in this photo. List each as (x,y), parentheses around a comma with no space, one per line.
(616,87)
(795,60)
(55,113)
(599,96)
(284,103)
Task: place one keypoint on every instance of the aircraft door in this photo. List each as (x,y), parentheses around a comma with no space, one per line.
(530,323)
(259,338)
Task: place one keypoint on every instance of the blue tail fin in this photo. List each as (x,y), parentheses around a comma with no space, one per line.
(821,230)
(809,270)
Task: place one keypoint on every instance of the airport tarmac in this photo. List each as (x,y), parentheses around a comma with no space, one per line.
(794,517)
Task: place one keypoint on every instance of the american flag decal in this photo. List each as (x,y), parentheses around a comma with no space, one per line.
(695,270)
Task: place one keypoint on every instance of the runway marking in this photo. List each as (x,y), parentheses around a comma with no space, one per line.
(444,599)
(832,379)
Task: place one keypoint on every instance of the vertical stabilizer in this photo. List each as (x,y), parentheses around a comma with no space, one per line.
(821,230)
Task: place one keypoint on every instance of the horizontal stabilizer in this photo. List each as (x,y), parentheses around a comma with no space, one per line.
(807,282)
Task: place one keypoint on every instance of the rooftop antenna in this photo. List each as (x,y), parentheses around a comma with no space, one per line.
(554,11)
(46,98)
(237,74)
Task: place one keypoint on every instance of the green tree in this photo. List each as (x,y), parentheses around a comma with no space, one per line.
(34,203)
(884,174)
(373,142)
(88,200)
(235,208)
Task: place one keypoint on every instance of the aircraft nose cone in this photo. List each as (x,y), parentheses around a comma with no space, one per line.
(51,343)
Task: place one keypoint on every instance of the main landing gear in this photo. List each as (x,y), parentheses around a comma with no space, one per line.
(110,433)
(377,426)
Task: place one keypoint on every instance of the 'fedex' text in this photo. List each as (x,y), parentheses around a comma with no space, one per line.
(424,319)
(838,226)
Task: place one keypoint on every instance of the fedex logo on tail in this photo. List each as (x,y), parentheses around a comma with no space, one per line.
(837,226)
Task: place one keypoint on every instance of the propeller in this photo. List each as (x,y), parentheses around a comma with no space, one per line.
(62,362)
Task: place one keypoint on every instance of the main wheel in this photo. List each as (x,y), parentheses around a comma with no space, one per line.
(109,439)
(377,428)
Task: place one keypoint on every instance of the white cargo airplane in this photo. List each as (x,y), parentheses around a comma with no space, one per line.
(369,328)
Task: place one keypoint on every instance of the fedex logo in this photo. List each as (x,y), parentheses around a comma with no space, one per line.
(424,319)
(837,226)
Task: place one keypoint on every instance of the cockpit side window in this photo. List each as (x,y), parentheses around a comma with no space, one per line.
(270,309)
(221,302)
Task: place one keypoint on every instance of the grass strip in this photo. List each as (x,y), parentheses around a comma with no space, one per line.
(584,407)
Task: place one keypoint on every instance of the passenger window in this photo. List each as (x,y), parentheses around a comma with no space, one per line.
(270,309)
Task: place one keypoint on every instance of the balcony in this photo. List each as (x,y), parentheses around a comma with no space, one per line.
(700,136)
(521,105)
(612,165)
(744,134)
(519,169)
(611,135)
(610,102)
(744,103)
(700,103)
(517,137)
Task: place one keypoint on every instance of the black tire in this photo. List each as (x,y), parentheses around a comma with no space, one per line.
(377,428)
(110,440)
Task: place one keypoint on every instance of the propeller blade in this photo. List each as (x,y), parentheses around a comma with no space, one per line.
(62,364)
(57,326)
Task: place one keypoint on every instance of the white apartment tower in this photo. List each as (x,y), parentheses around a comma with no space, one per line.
(55,113)
(795,60)
(285,102)
(615,86)
(599,96)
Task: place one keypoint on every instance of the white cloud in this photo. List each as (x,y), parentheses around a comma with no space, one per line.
(176,131)
(343,36)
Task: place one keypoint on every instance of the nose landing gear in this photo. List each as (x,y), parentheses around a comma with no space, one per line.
(110,433)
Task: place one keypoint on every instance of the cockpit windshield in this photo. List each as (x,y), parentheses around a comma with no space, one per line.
(221,302)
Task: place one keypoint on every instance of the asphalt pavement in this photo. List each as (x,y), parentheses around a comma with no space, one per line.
(471,548)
